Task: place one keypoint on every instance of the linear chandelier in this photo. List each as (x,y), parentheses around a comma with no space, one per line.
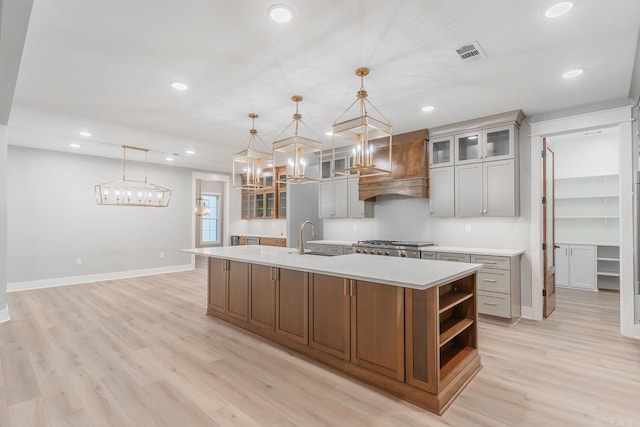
(368,135)
(131,192)
(297,151)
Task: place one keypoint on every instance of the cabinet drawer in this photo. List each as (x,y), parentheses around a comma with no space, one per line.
(428,255)
(267,241)
(447,256)
(494,280)
(282,243)
(333,250)
(349,250)
(501,262)
(316,248)
(494,304)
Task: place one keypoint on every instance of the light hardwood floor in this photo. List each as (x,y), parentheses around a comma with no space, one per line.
(141,352)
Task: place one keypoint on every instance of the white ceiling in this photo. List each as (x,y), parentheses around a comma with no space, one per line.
(105,66)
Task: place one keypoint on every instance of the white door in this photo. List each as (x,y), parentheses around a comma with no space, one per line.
(562,266)
(582,266)
(499,188)
(441,192)
(326,199)
(468,185)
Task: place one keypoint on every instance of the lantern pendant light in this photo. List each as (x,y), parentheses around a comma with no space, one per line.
(368,137)
(300,156)
(253,163)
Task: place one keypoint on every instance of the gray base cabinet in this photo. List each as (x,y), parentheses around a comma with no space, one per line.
(499,296)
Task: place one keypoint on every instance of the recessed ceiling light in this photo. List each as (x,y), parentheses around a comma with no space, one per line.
(179,86)
(190,152)
(428,108)
(280,13)
(169,159)
(74,145)
(573,73)
(84,133)
(329,133)
(558,9)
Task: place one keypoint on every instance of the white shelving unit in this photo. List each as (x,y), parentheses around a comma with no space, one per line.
(587,211)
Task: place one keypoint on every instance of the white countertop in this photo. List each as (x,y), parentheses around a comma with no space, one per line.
(395,271)
(332,242)
(477,251)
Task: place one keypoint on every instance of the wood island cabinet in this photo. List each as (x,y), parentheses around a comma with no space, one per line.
(262,297)
(329,315)
(377,328)
(292,304)
(419,345)
(238,290)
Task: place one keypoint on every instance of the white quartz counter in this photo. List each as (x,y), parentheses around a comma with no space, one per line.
(404,272)
(477,251)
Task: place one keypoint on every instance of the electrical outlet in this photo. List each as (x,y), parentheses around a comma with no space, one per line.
(467,228)
(161,254)
(78,261)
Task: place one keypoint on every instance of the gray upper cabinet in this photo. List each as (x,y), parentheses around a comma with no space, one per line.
(442,192)
(441,152)
(469,148)
(468,190)
(339,199)
(482,155)
(499,143)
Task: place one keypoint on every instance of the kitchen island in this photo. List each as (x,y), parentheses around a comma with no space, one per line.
(406,326)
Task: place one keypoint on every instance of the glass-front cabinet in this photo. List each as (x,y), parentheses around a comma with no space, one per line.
(246,210)
(499,143)
(485,145)
(441,152)
(270,205)
(468,147)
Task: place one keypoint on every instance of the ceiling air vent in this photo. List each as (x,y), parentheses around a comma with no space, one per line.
(470,51)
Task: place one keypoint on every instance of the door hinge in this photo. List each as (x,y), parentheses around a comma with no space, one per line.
(543,154)
(544,246)
(544,200)
(544,292)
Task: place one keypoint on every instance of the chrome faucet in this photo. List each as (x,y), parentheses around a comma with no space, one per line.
(301,241)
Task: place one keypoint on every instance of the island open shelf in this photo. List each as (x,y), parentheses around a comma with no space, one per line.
(414,338)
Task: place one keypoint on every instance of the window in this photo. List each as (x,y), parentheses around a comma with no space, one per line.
(210,226)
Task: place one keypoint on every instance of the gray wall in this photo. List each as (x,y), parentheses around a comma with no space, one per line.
(53,218)
(3,217)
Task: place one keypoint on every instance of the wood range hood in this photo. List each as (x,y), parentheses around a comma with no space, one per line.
(409,168)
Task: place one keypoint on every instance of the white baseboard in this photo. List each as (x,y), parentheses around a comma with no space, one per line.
(4,314)
(76,280)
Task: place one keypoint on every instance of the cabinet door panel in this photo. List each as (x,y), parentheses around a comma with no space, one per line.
(329,315)
(500,188)
(468,185)
(562,266)
(441,152)
(468,147)
(262,299)
(356,206)
(217,285)
(499,143)
(377,328)
(582,266)
(341,198)
(238,290)
(292,305)
(326,199)
(442,192)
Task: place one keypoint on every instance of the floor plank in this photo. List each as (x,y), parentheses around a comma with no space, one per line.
(141,352)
